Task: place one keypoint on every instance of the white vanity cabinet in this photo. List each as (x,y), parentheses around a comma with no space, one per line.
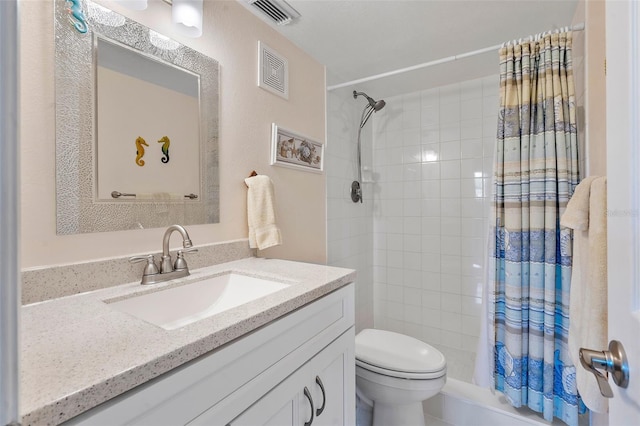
(258,379)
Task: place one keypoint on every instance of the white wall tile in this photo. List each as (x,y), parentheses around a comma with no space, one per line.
(451,321)
(411,261)
(471,306)
(413,296)
(451,283)
(432,335)
(452,169)
(430,134)
(450,246)
(431,299)
(450,150)
(411,101)
(471,109)
(429,116)
(471,129)
(412,171)
(412,136)
(431,189)
(412,243)
(450,227)
(470,325)
(450,264)
(394,259)
(431,244)
(430,262)
(450,302)
(450,207)
(430,152)
(411,207)
(450,132)
(449,112)
(431,171)
(431,317)
(411,189)
(412,278)
(412,314)
(433,161)
(411,119)
(431,206)
(431,280)
(431,226)
(395,293)
(450,188)
(471,148)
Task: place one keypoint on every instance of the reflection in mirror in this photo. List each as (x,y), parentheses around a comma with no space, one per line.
(136,126)
(143,102)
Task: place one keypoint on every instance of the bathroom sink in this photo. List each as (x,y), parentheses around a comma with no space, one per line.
(178,306)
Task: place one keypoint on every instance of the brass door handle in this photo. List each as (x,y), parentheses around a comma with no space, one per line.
(613,361)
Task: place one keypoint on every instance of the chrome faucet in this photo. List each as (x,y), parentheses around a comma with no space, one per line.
(167,270)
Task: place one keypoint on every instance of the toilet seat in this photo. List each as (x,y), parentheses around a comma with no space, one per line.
(401,374)
(396,355)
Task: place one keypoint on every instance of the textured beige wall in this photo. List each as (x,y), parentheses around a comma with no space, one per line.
(595,92)
(230,36)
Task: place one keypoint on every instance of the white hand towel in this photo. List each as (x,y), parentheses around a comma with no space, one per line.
(586,215)
(263,232)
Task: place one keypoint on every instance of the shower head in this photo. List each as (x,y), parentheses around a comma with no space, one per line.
(376,105)
(379,105)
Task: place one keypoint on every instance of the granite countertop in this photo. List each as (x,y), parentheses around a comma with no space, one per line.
(77,352)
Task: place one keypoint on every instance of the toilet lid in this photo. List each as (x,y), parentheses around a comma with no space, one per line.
(397,352)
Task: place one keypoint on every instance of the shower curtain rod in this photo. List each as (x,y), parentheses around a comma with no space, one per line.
(577,27)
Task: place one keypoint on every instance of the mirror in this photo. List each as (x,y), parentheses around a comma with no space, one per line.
(136,125)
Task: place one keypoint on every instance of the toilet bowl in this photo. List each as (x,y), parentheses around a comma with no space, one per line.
(397,373)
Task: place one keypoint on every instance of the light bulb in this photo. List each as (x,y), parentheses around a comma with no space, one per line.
(187,16)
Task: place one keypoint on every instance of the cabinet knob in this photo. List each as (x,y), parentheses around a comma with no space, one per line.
(308,395)
(324,396)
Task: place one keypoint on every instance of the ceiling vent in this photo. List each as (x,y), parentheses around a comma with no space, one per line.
(278,11)
(273,71)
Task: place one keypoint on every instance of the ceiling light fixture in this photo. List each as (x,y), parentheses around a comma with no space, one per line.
(187,16)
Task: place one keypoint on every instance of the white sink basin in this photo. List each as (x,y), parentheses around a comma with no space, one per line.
(178,306)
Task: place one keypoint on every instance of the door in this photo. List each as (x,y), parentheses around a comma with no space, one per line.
(623,198)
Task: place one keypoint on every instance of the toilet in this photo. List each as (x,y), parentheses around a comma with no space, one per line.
(397,372)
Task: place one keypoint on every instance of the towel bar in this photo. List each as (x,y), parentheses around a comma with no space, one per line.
(117,194)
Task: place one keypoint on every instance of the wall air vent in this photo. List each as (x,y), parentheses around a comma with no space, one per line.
(278,11)
(273,71)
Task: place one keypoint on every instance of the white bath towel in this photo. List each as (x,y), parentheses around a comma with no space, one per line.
(586,215)
(263,232)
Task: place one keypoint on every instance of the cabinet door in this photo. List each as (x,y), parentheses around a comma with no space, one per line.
(333,383)
(279,407)
(299,399)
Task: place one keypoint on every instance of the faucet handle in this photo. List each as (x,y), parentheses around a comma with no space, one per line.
(150,268)
(180,262)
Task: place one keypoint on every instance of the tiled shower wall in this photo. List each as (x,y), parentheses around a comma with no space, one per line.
(349,225)
(432,162)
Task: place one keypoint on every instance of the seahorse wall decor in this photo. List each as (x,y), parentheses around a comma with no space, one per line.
(76,16)
(140,144)
(165,148)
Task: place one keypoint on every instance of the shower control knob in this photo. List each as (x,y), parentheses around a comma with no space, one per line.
(356,192)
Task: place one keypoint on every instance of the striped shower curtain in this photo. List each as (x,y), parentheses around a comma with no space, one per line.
(536,172)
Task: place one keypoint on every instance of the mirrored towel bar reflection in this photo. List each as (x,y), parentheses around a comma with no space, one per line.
(117,194)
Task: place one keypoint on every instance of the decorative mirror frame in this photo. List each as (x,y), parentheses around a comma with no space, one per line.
(77,208)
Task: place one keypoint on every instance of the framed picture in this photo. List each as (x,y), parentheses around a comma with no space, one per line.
(289,149)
